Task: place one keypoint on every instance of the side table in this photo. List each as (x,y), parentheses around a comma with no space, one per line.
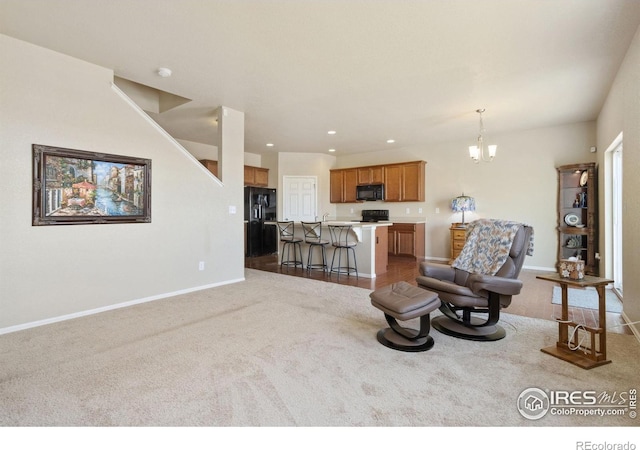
(458,239)
(585,357)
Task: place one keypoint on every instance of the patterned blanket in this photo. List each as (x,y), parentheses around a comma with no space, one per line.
(488,245)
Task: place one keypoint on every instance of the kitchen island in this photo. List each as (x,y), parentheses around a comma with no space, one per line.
(371,251)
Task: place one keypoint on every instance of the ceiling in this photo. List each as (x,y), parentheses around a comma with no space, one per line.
(413,71)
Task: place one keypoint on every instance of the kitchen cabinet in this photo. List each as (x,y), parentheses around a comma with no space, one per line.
(211,165)
(382,245)
(458,239)
(253,176)
(256,176)
(261,177)
(371,175)
(404,182)
(407,239)
(336,186)
(578,214)
(343,184)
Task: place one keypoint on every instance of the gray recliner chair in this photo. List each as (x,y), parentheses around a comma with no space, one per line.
(481,281)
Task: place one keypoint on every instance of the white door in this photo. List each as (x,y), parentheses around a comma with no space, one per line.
(300,198)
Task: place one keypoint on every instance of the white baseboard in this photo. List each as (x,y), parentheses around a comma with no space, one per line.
(525,267)
(89,312)
(633,326)
(539,268)
(434,258)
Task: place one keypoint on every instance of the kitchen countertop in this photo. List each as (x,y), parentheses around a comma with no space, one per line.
(391,220)
(408,219)
(354,223)
(357,223)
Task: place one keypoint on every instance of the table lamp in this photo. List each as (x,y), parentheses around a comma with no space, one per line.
(463,203)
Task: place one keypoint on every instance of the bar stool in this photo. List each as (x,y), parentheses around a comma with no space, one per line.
(343,242)
(313,237)
(287,230)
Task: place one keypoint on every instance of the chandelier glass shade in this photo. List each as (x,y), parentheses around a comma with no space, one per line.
(477,152)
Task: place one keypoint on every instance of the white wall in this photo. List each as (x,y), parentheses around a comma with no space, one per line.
(520,184)
(253,159)
(270,161)
(199,150)
(53,271)
(621,113)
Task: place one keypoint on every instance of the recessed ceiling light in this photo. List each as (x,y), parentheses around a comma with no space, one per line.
(332,149)
(164,72)
(390,141)
(269,144)
(331,132)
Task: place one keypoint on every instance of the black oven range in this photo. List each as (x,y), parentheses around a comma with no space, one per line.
(375,215)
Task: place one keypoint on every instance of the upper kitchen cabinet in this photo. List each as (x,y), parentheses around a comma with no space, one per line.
(343,184)
(404,182)
(211,165)
(256,176)
(371,175)
(253,176)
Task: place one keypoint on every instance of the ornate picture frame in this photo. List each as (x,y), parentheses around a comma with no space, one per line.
(76,187)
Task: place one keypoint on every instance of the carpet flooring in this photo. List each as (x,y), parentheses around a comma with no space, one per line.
(269,352)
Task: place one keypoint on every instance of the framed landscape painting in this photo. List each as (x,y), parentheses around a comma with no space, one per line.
(72,187)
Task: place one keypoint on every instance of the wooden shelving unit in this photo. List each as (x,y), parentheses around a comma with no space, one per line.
(578,214)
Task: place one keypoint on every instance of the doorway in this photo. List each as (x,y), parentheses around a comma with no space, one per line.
(299,199)
(614,168)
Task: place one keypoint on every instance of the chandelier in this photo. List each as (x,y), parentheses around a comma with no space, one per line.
(476,152)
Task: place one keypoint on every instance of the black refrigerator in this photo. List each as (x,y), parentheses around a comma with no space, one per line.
(260,207)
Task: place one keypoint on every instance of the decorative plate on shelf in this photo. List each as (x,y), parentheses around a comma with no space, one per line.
(572,220)
(584,178)
(574,242)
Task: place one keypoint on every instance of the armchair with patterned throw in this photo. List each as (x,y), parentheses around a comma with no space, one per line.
(481,280)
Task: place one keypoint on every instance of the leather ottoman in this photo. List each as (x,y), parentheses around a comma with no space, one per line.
(402,301)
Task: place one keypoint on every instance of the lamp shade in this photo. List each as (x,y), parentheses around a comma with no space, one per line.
(463,203)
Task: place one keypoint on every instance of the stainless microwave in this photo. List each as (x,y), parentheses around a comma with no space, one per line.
(370,192)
